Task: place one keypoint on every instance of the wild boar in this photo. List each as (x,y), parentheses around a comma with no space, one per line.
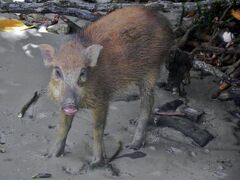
(125,47)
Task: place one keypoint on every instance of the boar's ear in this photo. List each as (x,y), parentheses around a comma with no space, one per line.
(92,53)
(47,54)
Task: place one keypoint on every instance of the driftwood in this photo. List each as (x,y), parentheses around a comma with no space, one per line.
(181,118)
(217,50)
(92,11)
(177,108)
(180,43)
(201,65)
(185,126)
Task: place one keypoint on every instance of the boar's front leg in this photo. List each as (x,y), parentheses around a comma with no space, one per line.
(62,132)
(99,117)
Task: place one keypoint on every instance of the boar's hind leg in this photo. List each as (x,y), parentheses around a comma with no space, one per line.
(146,104)
(99,115)
(62,132)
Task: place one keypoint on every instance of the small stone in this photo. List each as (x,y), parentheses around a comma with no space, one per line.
(41,115)
(227,37)
(206,151)
(193,154)
(219,174)
(226,163)
(156,173)
(51,126)
(2,139)
(152,148)
(2,150)
(225,96)
(106,134)
(220,167)
(69,170)
(60,28)
(174,150)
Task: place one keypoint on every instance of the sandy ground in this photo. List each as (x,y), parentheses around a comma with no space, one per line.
(169,155)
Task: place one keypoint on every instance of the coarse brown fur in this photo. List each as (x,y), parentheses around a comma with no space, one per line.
(135,42)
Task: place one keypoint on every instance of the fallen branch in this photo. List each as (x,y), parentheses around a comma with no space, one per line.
(200,65)
(217,30)
(28,104)
(232,68)
(48,7)
(185,37)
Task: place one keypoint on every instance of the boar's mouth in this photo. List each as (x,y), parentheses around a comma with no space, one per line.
(70,109)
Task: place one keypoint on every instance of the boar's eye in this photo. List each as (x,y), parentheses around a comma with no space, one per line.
(58,73)
(82,76)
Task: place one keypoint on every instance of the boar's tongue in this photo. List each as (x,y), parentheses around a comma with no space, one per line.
(70,110)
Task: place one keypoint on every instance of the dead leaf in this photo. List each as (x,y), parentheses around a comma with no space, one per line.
(236,13)
(8,25)
(224,86)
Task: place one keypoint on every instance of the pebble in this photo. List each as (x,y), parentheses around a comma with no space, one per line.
(51,126)
(2,138)
(156,173)
(69,170)
(220,167)
(193,154)
(152,148)
(174,150)
(2,150)
(225,163)
(206,151)
(219,174)
(41,115)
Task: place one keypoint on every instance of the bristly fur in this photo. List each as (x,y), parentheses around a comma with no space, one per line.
(135,42)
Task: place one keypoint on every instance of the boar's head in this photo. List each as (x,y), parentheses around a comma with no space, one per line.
(70,72)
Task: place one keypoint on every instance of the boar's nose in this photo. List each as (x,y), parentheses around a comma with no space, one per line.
(70,104)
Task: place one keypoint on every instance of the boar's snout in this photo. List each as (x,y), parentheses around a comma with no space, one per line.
(70,102)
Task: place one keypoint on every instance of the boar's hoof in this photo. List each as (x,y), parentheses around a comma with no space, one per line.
(135,145)
(97,163)
(57,150)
